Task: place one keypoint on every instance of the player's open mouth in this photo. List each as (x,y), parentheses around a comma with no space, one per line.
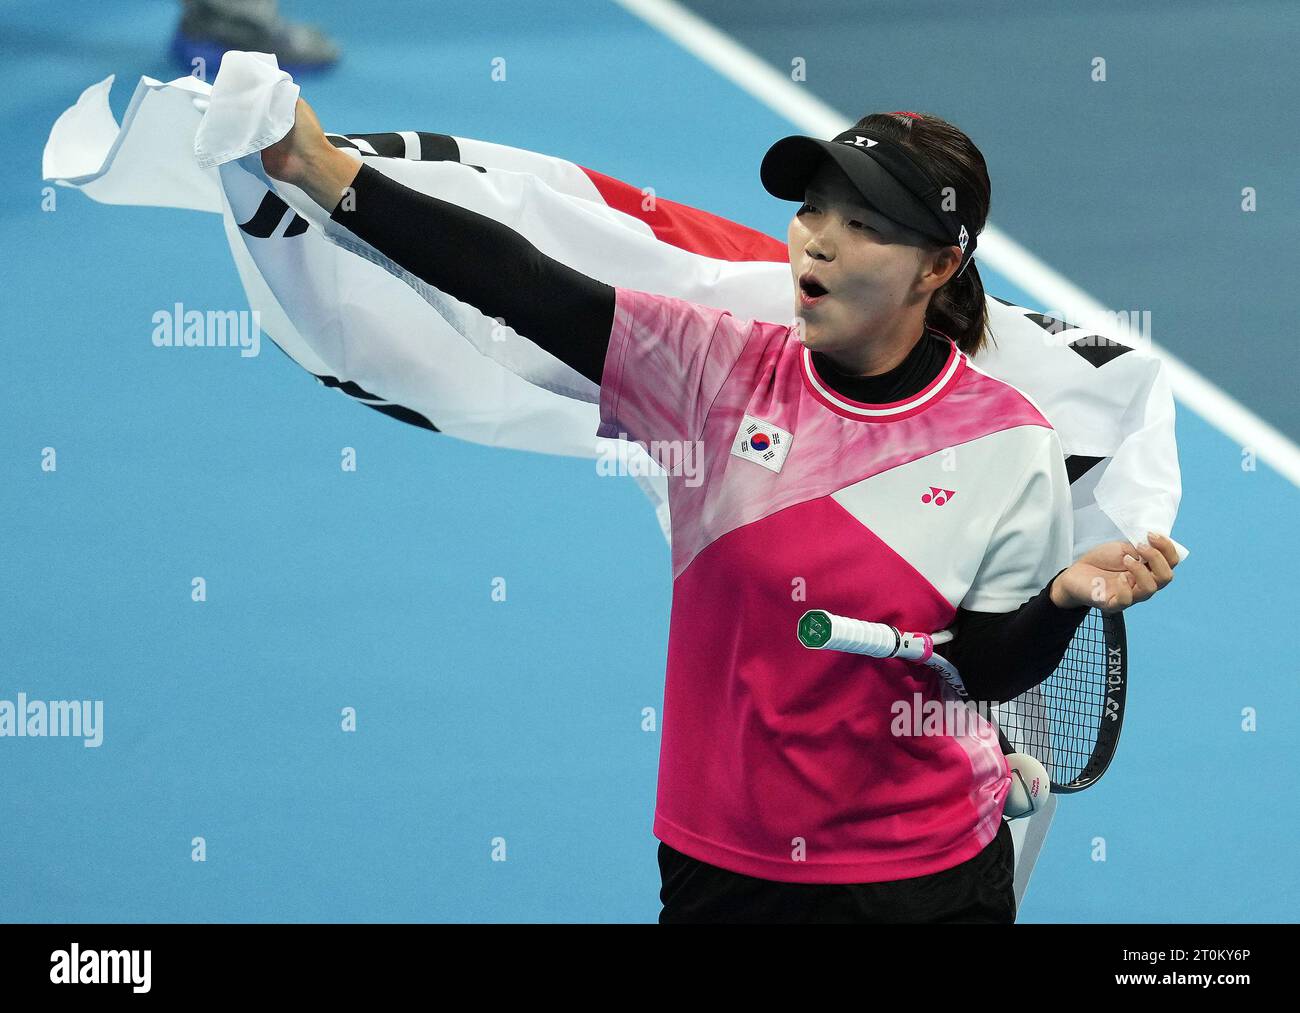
(811,291)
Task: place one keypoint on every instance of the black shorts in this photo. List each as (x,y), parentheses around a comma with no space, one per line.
(978,890)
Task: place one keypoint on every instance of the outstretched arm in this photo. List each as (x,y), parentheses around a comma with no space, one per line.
(680,225)
(473,258)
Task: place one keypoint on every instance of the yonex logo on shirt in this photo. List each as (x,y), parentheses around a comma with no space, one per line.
(938,496)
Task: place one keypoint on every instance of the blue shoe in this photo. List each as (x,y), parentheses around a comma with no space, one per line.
(205,34)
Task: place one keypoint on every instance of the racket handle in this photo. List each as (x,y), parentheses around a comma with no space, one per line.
(825,631)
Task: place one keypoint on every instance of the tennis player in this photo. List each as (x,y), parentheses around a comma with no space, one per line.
(853,460)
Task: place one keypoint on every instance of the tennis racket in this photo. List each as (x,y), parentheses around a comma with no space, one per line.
(1070,722)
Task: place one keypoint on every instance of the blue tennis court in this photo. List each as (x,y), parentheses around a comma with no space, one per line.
(513,729)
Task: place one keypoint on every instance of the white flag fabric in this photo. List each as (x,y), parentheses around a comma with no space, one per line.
(390,341)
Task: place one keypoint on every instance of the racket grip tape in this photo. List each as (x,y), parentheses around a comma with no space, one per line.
(821,630)
(825,631)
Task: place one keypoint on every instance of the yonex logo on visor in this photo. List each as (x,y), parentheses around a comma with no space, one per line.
(860,142)
(962,238)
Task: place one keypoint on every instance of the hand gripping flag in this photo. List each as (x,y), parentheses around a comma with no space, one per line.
(386,339)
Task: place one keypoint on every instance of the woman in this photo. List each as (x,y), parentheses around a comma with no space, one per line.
(853,461)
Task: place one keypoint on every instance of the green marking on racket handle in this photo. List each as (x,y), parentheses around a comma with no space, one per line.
(814,628)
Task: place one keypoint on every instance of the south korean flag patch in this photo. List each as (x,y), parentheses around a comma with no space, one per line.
(762,443)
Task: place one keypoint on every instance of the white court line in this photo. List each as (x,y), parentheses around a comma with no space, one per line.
(1053,290)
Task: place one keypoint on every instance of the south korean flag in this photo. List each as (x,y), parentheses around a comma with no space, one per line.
(762,443)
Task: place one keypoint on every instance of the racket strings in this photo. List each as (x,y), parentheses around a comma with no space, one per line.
(1058,721)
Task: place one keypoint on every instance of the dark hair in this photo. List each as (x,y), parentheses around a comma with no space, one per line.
(950,159)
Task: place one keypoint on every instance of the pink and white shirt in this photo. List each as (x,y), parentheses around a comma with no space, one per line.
(777,761)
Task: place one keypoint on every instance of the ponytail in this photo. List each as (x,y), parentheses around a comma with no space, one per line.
(959,310)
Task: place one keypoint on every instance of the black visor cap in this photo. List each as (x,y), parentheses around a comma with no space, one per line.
(792,161)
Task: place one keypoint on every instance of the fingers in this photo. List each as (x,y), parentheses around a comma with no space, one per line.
(1122,595)
(1117,550)
(1143,580)
(1165,545)
(1157,565)
(1108,555)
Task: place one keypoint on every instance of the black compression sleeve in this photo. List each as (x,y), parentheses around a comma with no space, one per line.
(486,264)
(1000,655)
